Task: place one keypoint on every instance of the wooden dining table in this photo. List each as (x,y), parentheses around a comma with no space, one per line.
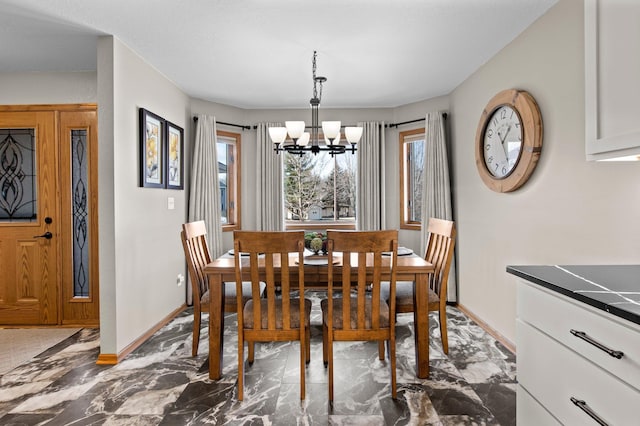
(410,268)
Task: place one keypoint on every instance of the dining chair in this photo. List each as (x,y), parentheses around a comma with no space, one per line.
(280,315)
(439,252)
(196,251)
(353,313)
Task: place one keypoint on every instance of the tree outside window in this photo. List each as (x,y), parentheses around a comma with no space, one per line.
(320,190)
(411,176)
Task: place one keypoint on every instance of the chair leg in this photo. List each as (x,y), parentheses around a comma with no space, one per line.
(308,345)
(252,351)
(303,361)
(196,333)
(330,356)
(392,358)
(443,329)
(381,350)
(241,368)
(325,354)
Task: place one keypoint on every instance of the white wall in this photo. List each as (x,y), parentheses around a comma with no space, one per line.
(106,196)
(571,211)
(143,255)
(47,88)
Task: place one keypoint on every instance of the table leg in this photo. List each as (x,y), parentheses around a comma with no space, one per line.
(216,326)
(421,324)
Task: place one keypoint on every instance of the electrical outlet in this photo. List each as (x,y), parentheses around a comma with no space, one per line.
(180,280)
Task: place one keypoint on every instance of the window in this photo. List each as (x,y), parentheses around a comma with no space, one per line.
(411,173)
(229,175)
(320,191)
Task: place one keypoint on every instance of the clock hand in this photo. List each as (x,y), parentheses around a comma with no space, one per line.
(501,157)
(505,135)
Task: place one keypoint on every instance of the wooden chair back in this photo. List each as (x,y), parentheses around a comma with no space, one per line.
(196,252)
(360,314)
(364,245)
(278,315)
(439,252)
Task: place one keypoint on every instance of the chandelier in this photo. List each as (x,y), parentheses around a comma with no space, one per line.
(302,141)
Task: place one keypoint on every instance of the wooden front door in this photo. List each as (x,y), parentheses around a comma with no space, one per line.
(48,215)
(29,218)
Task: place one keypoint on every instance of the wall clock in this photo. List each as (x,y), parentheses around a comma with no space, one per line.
(508,140)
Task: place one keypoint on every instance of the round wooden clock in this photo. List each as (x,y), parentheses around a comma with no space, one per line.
(508,140)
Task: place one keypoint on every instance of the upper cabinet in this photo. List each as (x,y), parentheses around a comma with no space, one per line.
(612,79)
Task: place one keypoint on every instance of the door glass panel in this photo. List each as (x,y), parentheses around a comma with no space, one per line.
(80,208)
(18,193)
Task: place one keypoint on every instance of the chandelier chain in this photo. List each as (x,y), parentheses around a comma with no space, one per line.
(316,94)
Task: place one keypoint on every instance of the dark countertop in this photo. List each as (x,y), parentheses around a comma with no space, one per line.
(612,288)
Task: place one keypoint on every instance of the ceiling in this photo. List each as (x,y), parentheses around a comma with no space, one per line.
(258,54)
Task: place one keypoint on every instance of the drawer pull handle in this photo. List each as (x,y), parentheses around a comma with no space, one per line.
(584,407)
(582,335)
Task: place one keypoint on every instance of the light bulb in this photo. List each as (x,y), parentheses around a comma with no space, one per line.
(331,129)
(353,134)
(278,134)
(294,128)
(304,139)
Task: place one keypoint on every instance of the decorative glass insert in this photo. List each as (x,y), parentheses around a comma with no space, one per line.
(80,208)
(18,181)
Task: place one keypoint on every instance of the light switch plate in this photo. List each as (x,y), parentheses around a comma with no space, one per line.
(171,203)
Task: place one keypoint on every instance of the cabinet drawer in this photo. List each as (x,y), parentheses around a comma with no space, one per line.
(530,412)
(553,374)
(555,315)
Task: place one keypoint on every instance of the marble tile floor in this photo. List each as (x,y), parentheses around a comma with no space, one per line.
(161,384)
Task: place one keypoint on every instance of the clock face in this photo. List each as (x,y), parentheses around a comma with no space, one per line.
(502,142)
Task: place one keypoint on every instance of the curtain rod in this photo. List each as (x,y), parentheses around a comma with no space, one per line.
(243,127)
(444,115)
(255,126)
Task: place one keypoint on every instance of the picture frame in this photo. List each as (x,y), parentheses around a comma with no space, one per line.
(152,150)
(174,156)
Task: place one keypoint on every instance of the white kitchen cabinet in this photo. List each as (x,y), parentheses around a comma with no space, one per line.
(530,410)
(557,369)
(612,79)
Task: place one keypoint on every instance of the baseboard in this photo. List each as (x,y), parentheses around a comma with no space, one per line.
(499,337)
(112,359)
(107,359)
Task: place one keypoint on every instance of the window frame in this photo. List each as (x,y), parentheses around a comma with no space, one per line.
(233,180)
(404,138)
(290,225)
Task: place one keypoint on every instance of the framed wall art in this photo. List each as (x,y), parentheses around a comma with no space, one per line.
(152,150)
(174,160)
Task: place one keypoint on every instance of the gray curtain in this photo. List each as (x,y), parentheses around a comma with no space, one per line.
(204,193)
(370,195)
(436,190)
(269,186)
